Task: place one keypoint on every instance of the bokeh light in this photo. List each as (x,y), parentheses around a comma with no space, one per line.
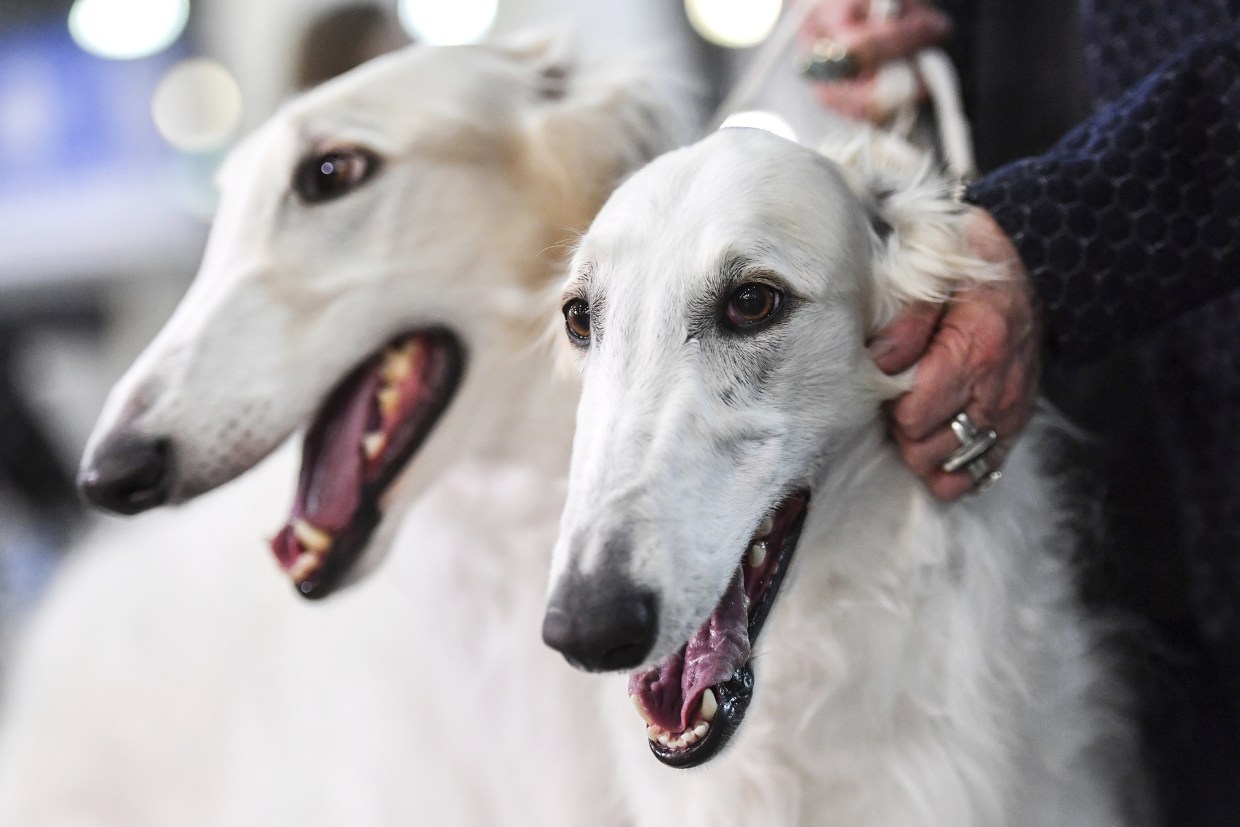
(756,119)
(736,24)
(448,22)
(197,105)
(127,29)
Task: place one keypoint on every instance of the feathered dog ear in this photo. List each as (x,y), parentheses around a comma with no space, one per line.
(591,121)
(918,227)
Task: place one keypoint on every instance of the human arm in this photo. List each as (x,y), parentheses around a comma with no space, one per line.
(1132,219)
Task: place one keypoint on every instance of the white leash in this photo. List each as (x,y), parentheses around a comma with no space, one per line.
(955,140)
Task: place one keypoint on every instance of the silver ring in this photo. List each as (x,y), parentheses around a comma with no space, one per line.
(829,61)
(974,443)
(963,428)
(982,476)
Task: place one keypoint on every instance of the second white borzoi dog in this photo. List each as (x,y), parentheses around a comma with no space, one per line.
(923,664)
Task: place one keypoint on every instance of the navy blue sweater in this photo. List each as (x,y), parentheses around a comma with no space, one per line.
(1134,217)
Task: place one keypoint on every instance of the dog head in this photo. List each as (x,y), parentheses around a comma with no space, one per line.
(375,236)
(719,308)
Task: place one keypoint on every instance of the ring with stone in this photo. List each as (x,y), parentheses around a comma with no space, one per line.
(828,61)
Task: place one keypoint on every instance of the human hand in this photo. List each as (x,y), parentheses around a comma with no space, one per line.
(980,353)
(872,41)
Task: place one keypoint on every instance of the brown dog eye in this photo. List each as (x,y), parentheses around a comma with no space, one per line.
(577,320)
(329,175)
(752,304)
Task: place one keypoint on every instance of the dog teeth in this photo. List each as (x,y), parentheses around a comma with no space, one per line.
(709,705)
(314,539)
(316,542)
(397,363)
(389,400)
(373,444)
(641,710)
(681,740)
(658,735)
(757,553)
(304,566)
(764,530)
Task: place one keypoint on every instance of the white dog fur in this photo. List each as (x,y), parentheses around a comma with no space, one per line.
(926,664)
(172,677)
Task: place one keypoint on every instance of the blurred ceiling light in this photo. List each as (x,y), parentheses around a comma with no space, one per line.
(736,24)
(125,29)
(440,23)
(768,121)
(197,105)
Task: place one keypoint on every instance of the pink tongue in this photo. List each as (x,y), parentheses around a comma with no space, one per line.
(670,691)
(330,486)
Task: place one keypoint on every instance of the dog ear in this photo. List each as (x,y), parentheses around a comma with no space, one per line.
(917,226)
(549,52)
(593,121)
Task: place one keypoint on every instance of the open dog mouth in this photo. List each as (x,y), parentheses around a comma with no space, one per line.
(365,433)
(694,700)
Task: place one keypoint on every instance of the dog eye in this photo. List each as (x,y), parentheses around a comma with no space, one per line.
(577,321)
(752,304)
(332,174)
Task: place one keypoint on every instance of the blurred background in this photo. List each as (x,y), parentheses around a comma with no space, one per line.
(114,115)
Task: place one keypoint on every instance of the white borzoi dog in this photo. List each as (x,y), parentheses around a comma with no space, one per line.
(377,258)
(923,664)
(169,680)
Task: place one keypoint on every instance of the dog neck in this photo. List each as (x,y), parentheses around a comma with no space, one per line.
(533,424)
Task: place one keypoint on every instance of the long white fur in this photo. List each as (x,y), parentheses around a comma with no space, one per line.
(926,664)
(172,677)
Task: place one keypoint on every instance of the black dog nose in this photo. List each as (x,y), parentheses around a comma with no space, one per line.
(128,475)
(602,627)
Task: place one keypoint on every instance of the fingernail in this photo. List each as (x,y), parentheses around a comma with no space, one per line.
(881,347)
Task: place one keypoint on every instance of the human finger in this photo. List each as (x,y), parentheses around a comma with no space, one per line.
(895,38)
(906,338)
(951,485)
(925,456)
(830,16)
(941,389)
